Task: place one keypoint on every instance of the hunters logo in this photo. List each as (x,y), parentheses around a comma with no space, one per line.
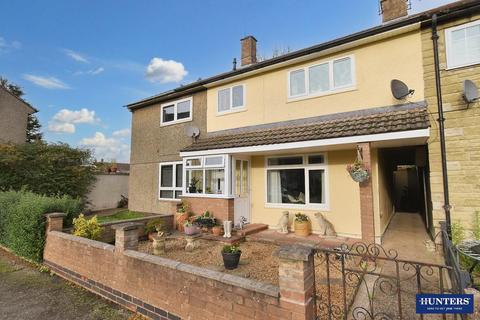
(444,303)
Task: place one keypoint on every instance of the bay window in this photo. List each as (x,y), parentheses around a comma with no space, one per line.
(297,181)
(323,78)
(170,180)
(205,175)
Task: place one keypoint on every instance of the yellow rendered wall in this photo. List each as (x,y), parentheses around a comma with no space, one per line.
(344,210)
(376,65)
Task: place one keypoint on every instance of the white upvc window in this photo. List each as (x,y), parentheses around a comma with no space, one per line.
(170,180)
(323,78)
(206,176)
(176,112)
(231,99)
(297,181)
(463,45)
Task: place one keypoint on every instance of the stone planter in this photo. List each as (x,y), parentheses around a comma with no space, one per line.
(302,228)
(158,245)
(190,230)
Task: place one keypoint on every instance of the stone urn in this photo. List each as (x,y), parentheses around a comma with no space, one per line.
(158,244)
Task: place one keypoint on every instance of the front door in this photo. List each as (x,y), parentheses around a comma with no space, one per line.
(242,191)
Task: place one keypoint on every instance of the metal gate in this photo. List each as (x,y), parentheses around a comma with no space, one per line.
(368,282)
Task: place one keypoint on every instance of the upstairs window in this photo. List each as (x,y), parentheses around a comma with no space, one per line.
(176,111)
(231,99)
(463,45)
(322,78)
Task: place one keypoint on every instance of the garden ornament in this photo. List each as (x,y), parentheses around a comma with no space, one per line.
(283,222)
(326,227)
(227,227)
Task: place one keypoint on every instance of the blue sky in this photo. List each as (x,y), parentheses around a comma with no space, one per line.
(80,62)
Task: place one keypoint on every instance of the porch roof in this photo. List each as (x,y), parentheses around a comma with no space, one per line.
(412,116)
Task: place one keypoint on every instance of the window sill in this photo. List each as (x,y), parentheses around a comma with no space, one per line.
(169,200)
(202,195)
(323,94)
(165,124)
(311,207)
(463,66)
(224,113)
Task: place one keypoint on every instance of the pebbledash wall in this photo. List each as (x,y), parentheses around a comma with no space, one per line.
(462,131)
(160,288)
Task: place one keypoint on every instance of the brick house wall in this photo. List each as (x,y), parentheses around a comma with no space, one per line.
(222,209)
(13,118)
(152,144)
(462,131)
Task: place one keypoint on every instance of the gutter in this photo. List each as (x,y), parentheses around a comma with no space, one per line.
(441,127)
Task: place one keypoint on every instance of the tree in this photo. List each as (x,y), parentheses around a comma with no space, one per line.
(33,129)
(14,89)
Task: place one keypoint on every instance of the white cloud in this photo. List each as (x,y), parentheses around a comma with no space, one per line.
(121,133)
(165,71)
(107,148)
(6,46)
(46,82)
(92,72)
(64,120)
(61,127)
(76,116)
(76,56)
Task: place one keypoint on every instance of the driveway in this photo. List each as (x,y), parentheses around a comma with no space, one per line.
(26,293)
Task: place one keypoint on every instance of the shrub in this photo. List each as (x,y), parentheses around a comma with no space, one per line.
(154,226)
(22,220)
(234,248)
(458,233)
(476,225)
(87,228)
(47,169)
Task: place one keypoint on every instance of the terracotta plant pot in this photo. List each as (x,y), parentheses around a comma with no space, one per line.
(151,235)
(302,228)
(217,231)
(190,230)
(231,260)
(180,218)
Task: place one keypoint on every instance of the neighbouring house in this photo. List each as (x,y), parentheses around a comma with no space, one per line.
(277,135)
(14,113)
(109,187)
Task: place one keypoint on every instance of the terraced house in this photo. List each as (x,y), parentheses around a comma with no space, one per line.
(278,135)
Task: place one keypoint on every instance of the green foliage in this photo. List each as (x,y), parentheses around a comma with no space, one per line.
(234,248)
(33,129)
(14,89)
(87,228)
(154,226)
(207,220)
(182,207)
(476,225)
(458,233)
(47,169)
(22,220)
(122,215)
(300,217)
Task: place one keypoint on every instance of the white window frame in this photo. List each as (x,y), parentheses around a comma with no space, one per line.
(448,45)
(175,113)
(213,165)
(174,187)
(231,109)
(226,166)
(332,89)
(307,167)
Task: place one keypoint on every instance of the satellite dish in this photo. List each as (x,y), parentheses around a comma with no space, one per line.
(192,131)
(470,91)
(400,90)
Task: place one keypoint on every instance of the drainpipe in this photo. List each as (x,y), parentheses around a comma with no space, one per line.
(441,127)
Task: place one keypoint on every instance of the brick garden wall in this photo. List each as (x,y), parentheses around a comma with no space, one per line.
(160,288)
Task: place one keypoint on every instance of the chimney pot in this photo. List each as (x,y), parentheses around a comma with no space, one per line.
(393,9)
(249,50)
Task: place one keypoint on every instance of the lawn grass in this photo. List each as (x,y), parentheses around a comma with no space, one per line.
(122,215)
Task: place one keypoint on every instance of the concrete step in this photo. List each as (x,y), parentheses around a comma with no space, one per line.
(251,229)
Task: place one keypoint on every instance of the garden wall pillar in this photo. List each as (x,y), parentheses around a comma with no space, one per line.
(55,221)
(126,236)
(297,281)
(366,198)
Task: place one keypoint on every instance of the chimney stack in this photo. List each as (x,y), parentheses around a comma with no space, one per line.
(393,9)
(249,50)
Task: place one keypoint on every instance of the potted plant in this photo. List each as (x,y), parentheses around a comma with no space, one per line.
(192,187)
(302,224)
(152,227)
(217,230)
(205,221)
(114,166)
(189,228)
(358,171)
(231,256)
(182,215)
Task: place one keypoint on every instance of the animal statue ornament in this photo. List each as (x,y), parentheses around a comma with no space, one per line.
(326,227)
(283,222)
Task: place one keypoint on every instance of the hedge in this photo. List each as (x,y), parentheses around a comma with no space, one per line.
(22,220)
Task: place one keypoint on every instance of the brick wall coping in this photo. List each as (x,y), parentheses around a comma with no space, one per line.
(55,215)
(248,284)
(88,242)
(294,252)
(127,226)
(143,219)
